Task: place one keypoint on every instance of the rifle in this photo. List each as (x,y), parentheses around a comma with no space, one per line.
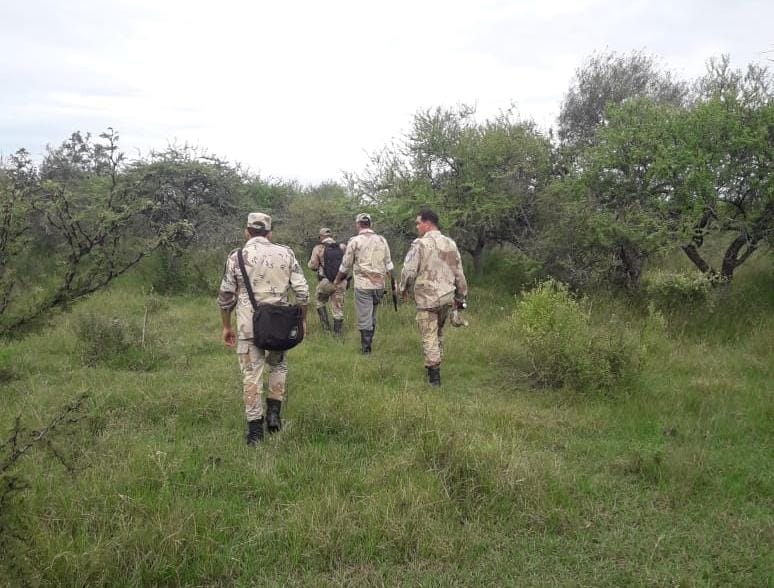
(394,294)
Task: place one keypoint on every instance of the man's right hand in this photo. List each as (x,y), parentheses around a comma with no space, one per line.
(229,339)
(339,277)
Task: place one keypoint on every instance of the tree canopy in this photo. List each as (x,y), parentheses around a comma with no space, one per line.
(644,164)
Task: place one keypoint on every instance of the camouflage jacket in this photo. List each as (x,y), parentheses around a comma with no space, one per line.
(367,257)
(273,272)
(434,268)
(317,260)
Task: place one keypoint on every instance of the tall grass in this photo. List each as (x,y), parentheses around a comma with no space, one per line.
(378,479)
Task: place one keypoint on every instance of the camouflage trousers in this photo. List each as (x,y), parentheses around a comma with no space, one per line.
(431,322)
(327,291)
(251,363)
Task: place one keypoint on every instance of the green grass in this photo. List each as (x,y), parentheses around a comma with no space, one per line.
(378,479)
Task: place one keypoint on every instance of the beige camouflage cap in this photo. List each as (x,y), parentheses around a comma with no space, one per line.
(259,220)
(363,217)
(326,232)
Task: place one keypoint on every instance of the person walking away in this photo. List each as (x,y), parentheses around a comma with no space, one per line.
(273,273)
(367,257)
(325,260)
(433,270)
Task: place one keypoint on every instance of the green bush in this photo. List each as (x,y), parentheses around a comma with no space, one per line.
(506,267)
(113,342)
(565,349)
(676,291)
(191,272)
(7,372)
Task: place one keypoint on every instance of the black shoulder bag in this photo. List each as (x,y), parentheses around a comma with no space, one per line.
(275,327)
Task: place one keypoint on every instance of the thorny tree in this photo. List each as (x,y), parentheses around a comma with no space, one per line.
(89,226)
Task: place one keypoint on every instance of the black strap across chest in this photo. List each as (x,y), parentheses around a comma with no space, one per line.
(246,279)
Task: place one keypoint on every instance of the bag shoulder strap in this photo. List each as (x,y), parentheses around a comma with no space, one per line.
(246,278)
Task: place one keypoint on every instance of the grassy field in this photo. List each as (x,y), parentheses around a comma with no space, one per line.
(378,479)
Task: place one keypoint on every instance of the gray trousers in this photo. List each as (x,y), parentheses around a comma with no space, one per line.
(366,302)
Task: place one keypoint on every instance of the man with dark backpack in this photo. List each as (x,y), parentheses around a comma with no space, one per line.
(325,260)
(257,279)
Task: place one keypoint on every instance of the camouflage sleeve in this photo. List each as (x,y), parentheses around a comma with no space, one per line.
(410,267)
(387,257)
(298,283)
(348,259)
(460,283)
(227,293)
(314,261)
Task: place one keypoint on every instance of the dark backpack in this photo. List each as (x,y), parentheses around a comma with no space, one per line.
(332,256)
(275,327)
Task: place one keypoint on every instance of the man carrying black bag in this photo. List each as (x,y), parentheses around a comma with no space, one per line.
(272,271)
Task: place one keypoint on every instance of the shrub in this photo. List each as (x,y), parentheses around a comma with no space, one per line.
(7,371)
(191,272)
(113,342)
(676,291)
(506,267)
(565,349)
(19,443)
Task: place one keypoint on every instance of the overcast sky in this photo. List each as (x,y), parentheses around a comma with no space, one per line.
(304,89)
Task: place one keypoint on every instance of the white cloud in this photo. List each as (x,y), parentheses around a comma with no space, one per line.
(302,89)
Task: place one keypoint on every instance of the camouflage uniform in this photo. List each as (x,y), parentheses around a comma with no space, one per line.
(367,257)
(273,272)
(325,289)
(434,268)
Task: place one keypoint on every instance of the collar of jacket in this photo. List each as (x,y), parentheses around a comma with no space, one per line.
(257,240)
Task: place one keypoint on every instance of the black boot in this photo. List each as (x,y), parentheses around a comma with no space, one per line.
(324,321)
(434,375)
(366,337)
(273,420)
(337,324)
(254,432)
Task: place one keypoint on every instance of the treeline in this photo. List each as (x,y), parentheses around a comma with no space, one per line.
(642,163)
(85,215)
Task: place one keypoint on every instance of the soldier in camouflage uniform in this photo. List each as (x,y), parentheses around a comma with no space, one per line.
(273,271)
(434,269)
(368,258)
(325,289)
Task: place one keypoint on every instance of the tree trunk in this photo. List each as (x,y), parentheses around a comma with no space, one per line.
(693,254)
(732,259)
(632,260)
(478,257)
